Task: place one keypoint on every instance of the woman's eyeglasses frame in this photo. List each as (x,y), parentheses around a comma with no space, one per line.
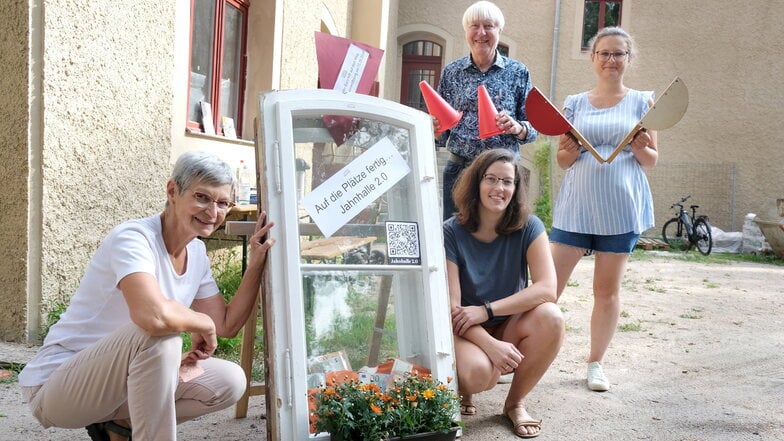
(493,180)
(607,55)
(205,201)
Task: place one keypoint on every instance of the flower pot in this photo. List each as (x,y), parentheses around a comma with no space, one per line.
(430,436)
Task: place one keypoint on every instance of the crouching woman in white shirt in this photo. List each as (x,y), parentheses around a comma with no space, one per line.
(113,363)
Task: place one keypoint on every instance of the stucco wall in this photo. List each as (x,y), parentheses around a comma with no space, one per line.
(14,170)
(106,119)
(301,18)
(527,32)
(725,152)
(89,116)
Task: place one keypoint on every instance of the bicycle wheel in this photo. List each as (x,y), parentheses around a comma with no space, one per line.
(702,236)
(674,235)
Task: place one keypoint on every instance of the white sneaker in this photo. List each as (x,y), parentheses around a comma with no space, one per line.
(596,379)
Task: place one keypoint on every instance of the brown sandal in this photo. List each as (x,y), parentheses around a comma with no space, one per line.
(522,423)
(467,409)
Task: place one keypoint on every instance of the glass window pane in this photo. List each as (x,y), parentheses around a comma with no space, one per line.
(422,47)
(367,316)
(363,239)
(428,48)
(415,76)
(202,37)
(590,21)
(231,63)
(612,12)
(354,313)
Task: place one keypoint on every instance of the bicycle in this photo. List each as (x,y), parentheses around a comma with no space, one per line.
(684,231)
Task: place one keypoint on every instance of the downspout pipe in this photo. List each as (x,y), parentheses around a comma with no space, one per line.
(554,59)
(551,94)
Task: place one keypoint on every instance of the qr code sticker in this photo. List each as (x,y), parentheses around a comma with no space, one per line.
(403,243)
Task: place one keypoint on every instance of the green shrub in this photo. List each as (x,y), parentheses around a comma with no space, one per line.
(227,270)
(53,316)
(543,206)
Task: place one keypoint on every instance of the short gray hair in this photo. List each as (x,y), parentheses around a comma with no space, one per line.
(201,166)
(483,10)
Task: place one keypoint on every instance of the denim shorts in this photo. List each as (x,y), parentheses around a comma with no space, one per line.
(614,243)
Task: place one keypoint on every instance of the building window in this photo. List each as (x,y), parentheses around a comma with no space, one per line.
(217,71)
(599,14)
(421,61)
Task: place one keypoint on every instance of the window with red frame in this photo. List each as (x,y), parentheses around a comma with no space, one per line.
(421,61)
(217,67)
(599,14)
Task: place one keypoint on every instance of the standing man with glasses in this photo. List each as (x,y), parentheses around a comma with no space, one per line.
(604,207)
(508,83)
(502,320)
(113,363)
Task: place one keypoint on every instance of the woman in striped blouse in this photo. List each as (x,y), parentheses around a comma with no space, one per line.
(604,207)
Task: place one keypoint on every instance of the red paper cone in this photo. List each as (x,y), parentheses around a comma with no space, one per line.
(487,113)
(446,115)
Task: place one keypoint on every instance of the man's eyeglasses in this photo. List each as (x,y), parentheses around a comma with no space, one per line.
(494,180)
(606,55)
(205,201)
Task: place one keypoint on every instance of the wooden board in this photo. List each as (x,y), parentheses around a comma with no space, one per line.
(648,244)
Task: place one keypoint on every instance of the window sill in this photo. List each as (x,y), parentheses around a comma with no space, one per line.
(194,134)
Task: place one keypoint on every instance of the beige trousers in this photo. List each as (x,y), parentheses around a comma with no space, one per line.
(131,375)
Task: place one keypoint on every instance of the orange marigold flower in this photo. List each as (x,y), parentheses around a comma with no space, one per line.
(411,397)
(375,409)
(370,387)
(442,387)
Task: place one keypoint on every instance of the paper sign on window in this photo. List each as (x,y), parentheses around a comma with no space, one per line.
(341,197)
(352,69)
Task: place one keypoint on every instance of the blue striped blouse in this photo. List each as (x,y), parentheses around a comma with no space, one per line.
(605,199)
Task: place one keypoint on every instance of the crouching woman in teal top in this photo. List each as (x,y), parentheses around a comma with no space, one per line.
(501,322)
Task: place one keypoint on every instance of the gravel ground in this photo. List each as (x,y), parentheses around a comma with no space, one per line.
(698,358)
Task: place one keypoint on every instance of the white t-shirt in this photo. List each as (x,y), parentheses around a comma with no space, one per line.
(98,307)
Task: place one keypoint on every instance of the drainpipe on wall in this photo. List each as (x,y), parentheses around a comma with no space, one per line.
(35,182)
(553,67)
(554,60)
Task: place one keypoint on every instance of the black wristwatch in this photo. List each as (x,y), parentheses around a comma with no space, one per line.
(489,310)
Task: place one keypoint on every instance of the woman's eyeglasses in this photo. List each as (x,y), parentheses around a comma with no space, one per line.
(205,201)
(606,55)
(493,180)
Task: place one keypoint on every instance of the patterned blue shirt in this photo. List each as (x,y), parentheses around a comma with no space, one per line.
(507,81)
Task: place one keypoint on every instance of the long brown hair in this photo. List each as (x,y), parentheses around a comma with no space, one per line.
(465,193)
